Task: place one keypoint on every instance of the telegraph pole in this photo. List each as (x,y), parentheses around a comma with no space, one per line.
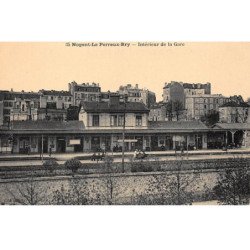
(42,148)
(123,132)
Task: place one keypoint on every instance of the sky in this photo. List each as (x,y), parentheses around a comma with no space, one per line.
(32,66)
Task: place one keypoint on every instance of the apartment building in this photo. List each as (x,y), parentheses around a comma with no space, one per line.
(233,112)
(84,92)
(198,106)
(54,99)
(177,91)
(157,112)
(136,94)
(18,105)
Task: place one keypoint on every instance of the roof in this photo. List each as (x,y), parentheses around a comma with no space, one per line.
(232,126)
(235,104)
(48,110)
(8,95)
(55,92)
(195,85)
(177,125)
(106,107)
(157,106)
(47,126)
(94,87)
(189,85)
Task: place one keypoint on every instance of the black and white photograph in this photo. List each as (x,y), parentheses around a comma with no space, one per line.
(124,124)
(127,131)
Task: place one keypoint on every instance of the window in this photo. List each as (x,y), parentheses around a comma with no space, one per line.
(116,120)
(6,111)
(8,104)
(113,121)
(95,121)
(138,120)
(120,120)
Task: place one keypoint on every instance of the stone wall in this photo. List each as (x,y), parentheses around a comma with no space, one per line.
(125,186)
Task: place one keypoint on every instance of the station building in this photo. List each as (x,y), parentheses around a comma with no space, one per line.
(101,126)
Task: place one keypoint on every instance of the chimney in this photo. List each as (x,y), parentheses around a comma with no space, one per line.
(114,99)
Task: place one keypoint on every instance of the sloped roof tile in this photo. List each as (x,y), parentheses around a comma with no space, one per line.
(99,107)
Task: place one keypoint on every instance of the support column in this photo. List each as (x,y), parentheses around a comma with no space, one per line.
(226,138)
(232,132)
(244,138)
(174,144)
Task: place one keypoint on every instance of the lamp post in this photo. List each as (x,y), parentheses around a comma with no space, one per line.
(42,149)
(123,131)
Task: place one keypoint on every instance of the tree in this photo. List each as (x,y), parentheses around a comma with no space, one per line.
(27,192)
(178,108)
(174,109)
(169,110)
(233,187)
(242,115)
(73,165)
(109,183)
(176,188)
(237,99)
(75,194)
(211,118)
(73,113)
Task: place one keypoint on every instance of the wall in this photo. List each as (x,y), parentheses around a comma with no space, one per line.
(247,138)
(1,113)
(125,186)
(231,114)
(177,93)
(104,120)
(157,114)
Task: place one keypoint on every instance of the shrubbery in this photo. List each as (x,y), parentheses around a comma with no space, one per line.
(140,167)
(50,165)
(73,165)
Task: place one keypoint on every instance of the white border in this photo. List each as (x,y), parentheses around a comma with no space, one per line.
(124,227)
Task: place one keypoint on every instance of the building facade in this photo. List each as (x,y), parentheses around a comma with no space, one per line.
(84,92)
(232,112)
(136,94)
(18,105)
(157,112)
(176,91)
(54,99)
(198,106)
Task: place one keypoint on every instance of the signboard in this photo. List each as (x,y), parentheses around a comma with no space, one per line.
(128,140)
(74,141)
(178,138)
